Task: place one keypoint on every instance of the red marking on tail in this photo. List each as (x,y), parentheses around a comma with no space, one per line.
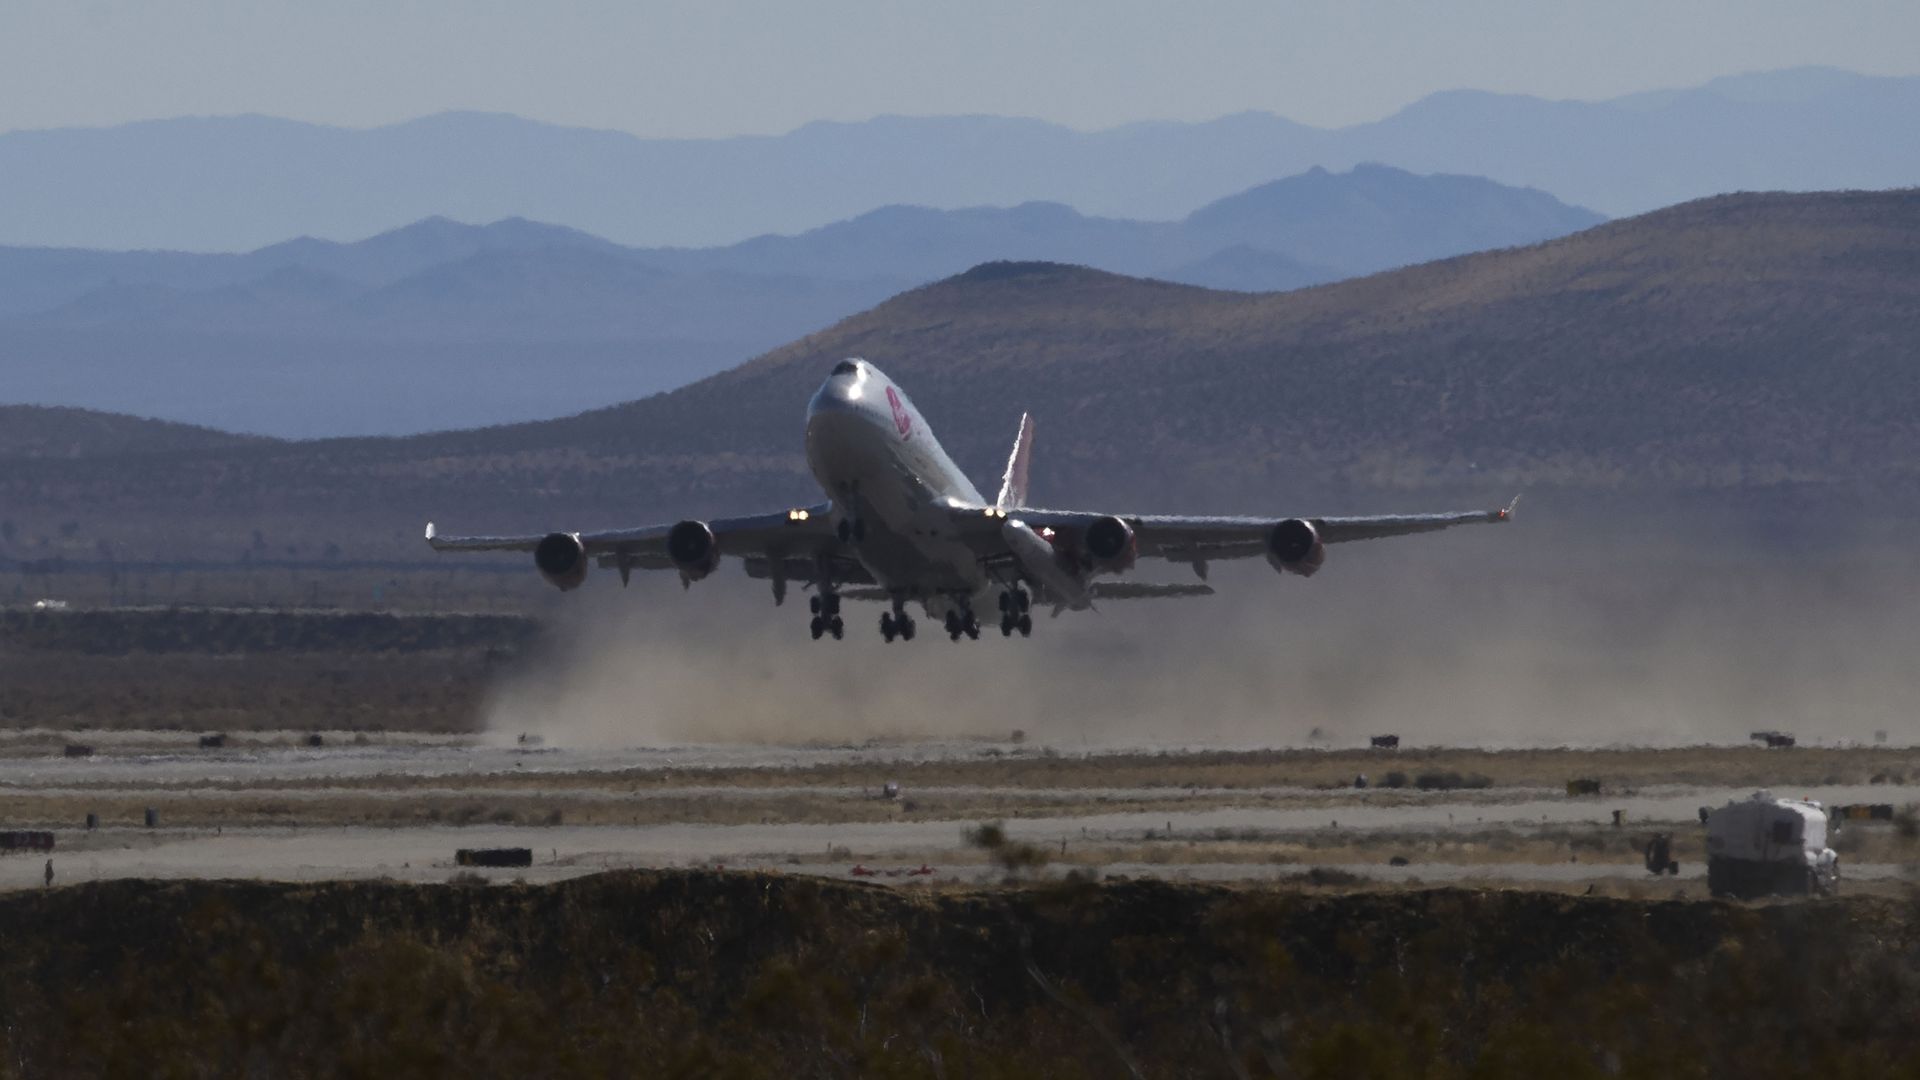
(900,418)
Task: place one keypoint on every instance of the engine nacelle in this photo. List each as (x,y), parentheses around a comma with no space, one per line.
(562,559)
(1109,544)
(694,549)
(1294,547)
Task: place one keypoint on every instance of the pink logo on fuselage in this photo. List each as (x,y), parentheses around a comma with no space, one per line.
(900,418)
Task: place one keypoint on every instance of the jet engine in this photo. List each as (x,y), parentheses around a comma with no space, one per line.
(1294,547)
(562,559)
(1109,544)
(694,549)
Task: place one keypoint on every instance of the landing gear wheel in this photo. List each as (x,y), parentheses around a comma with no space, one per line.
(972,629)
(1020,599)
(817,627)
(813,604)
(836,627)
(887,628)
(1025,625)
(905,628)
(1006,627)
(954,627)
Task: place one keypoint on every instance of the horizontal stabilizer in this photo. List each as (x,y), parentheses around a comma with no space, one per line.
(1142,590)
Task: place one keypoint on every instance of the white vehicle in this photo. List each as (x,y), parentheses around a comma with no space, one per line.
(1763,846)
(905,526)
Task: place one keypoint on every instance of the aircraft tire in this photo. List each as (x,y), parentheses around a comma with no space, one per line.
(817,627)
(1026,625)
(837,627)
(906,629)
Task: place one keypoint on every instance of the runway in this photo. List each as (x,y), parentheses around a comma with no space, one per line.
(398,807)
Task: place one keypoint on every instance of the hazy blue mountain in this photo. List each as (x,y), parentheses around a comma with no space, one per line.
(1248,269)
(440,324)
(1325,226)
(35,279)
(236,183)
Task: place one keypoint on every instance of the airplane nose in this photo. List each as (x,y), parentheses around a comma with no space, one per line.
(842,390)
(834,396)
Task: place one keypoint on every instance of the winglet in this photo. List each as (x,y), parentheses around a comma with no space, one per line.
(430,542)
(1506,514)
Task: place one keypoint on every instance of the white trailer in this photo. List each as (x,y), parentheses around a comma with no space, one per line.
(1763,846)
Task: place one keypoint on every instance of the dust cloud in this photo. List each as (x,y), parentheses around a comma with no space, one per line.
(1528,635)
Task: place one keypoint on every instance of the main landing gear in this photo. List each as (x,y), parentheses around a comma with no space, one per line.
(896,624)
(962,622)
(1013,613)
(826,616)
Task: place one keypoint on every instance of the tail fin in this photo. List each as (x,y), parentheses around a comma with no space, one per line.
(1013,485)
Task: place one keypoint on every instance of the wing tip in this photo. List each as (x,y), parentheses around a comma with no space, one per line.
(1505,513)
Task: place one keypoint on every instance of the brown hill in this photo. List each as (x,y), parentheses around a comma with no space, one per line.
(37,431)
(1747,343)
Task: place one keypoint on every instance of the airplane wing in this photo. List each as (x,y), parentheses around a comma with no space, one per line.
(1204,539)
(798,539)
(754,534)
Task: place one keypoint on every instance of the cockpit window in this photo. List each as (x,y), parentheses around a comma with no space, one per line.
(845,367)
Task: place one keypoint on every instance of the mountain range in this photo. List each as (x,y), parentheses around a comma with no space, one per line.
(1748,347)
(440,324)
(238,183)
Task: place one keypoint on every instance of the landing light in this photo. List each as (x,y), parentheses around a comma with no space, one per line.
(797,515)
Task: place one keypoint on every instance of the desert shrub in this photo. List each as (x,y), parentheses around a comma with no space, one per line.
(1449,780)
(1011,855)
(1327,875)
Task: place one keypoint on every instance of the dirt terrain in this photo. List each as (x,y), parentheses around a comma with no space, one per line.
(231,669)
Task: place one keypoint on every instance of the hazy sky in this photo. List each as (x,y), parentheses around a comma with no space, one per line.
(723,67)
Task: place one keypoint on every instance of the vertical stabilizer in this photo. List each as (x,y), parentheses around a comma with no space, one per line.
(1013,485)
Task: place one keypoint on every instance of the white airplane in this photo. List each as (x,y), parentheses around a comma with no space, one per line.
(905,526)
